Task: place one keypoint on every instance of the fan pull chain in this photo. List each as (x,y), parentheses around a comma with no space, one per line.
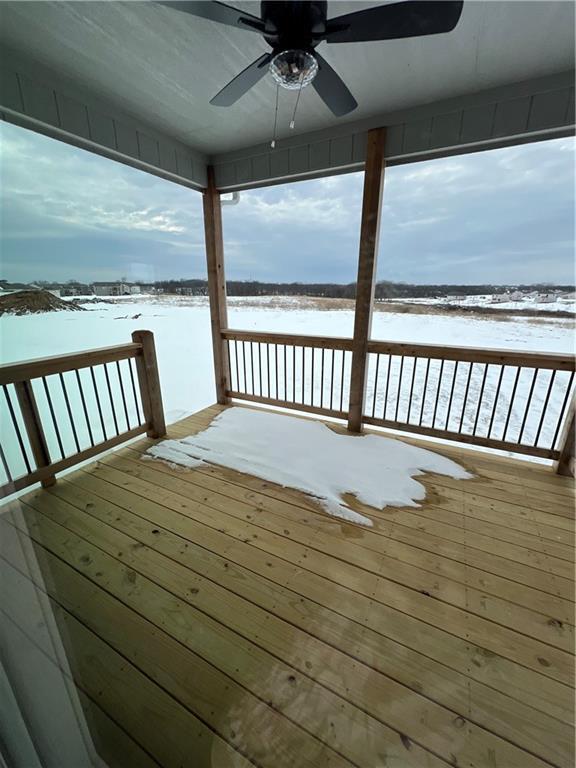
(292,122)
(273,142)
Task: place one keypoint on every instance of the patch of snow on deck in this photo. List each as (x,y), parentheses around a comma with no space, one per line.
(309,456)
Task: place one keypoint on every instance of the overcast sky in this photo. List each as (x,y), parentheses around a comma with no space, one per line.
(505,216)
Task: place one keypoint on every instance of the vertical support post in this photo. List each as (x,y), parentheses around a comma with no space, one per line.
(369,232)
(216,284)
(34,430)
(567,461)
(149,382)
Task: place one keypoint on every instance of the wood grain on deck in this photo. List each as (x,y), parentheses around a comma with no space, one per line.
(214,618)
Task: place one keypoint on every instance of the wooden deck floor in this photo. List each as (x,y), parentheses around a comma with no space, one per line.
(211,618)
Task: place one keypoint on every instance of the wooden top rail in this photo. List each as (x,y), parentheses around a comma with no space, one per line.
(45,366)
(549,360)
(290,339)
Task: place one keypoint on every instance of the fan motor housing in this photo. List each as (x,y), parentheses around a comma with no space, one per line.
(292,24)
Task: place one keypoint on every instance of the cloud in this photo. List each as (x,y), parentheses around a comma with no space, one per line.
(499,216)
(71,188)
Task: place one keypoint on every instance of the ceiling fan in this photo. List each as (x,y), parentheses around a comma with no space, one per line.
(294,29)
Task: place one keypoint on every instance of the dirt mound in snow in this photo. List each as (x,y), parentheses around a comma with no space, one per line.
(34,302)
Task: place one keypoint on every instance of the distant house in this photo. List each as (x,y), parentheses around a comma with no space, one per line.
(108,289)
(121,289)
(75,289)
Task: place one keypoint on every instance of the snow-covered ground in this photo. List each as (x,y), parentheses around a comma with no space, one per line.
(181,327)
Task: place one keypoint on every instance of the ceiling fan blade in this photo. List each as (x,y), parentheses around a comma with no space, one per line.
(220,12)
(242,82)
(332,89)
(413,18)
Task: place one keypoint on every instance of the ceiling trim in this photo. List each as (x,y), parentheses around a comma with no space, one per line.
(533,110)
(36,98)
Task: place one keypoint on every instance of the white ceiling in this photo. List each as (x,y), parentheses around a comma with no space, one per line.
(164,66)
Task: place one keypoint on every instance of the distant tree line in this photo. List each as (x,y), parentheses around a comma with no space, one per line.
(384,289)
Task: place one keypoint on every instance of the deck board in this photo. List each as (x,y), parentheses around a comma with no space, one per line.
(444,633)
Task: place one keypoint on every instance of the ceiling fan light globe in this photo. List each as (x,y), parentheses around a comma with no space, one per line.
(294,68)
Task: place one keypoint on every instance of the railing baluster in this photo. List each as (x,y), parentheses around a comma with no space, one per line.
(131,363)
(5,464)
(236,365)
(105,366)
(293,373)
(399,390)
(385,406)
(303,369)
(527,410)
(479,408)
(260,366)
(17,428)
(495,400)
(122,393)
(84,408)
(69,411)
(99,406)
(54,422)
(322,381)
(244,365)
(285,373)
(252,366)
(268,368)
(562,410)
(545,406)
(375,386)
(137,406)
(414,364)
(511,403)
(229,356)
(438,393)
(424,391)
(454,375)
(312,382)
(332,377)
(342,381)
(276,367)
(464,402)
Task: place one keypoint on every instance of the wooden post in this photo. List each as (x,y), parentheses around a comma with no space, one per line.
(369,231)
(567,462)
(216,285)
(34,430)
(149,381)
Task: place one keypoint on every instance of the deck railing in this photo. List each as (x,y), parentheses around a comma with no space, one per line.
(58,411)
(305,373)
(502,399)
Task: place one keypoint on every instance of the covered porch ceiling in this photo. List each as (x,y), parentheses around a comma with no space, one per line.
(133,80)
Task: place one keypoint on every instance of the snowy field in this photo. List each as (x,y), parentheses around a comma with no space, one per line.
(181,327)
(559,304)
